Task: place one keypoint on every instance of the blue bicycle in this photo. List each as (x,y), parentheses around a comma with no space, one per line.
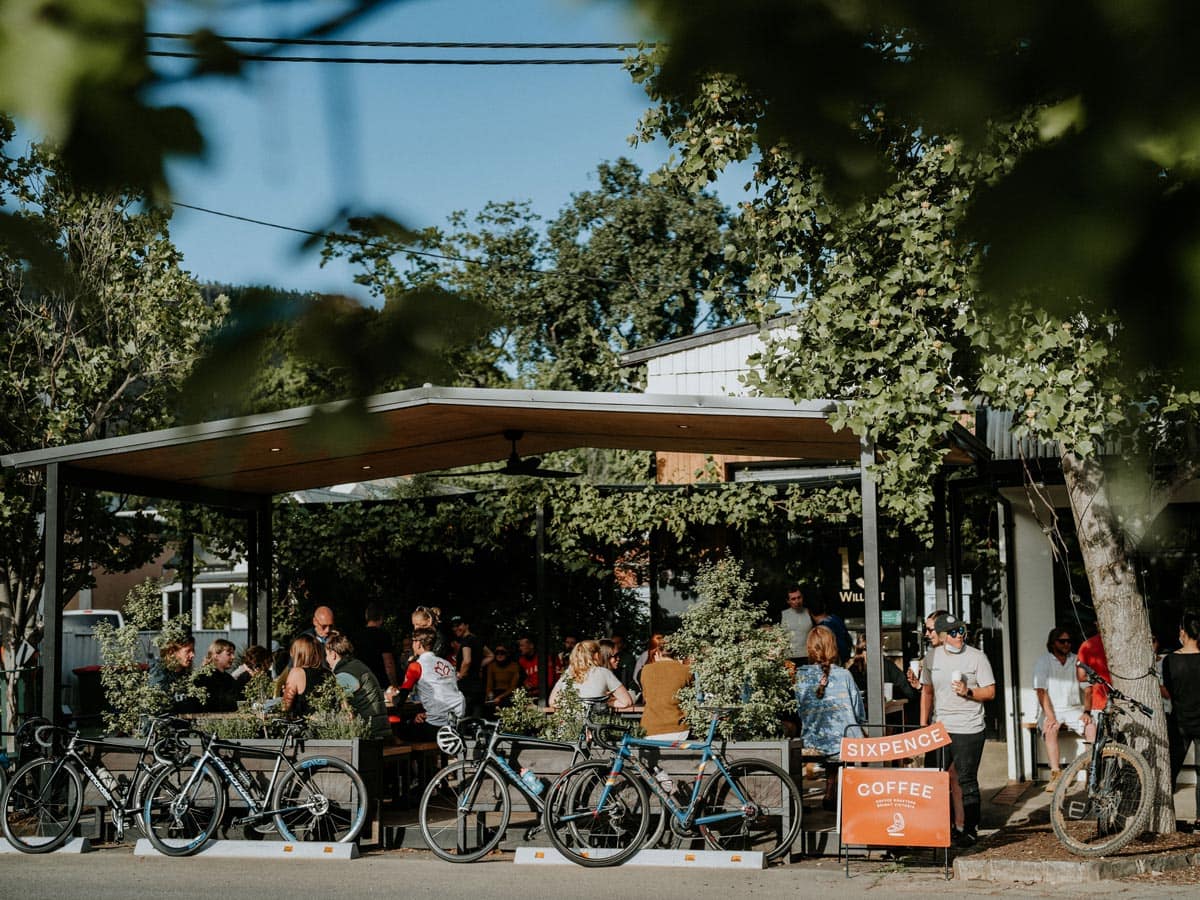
(599,814)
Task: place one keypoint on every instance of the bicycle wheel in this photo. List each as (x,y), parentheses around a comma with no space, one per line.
(322,799)
(1105,820)
(770,817)
(178,818)
(596,817)
(459,826)
(42,804)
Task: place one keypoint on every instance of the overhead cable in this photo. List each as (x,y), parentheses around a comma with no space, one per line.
(445,257)
(389,61)
(440,45)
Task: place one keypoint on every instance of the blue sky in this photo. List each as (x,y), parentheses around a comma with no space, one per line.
(290,142)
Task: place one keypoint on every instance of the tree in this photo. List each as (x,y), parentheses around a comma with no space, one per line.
(628,264)
(894,322)
(1102,203)
(100,350)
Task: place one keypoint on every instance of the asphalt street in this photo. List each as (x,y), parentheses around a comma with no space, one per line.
(112,873)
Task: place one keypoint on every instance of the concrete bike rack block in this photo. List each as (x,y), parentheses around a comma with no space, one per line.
(263,850)
(674,859)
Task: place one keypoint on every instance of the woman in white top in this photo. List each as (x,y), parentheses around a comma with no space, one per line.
(592,679)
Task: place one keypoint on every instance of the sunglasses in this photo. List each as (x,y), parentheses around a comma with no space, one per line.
(956,632)
(1062,640)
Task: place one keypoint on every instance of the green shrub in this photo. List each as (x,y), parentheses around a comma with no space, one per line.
(736,659)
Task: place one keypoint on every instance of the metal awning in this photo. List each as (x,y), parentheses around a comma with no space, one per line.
(434,428)
(242,462)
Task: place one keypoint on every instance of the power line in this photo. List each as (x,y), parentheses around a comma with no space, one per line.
(389,61)
(441,45)
(445,257)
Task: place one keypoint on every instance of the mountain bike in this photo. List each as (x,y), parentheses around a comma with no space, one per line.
(1103,799)
(598,814)
(45,798)
(465,808)
(315,798)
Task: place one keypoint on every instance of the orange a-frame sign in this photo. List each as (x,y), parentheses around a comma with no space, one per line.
(894,807)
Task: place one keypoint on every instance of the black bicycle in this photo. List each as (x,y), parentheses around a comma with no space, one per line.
(466,807)
(1103,799)
(45,798)
(314,798)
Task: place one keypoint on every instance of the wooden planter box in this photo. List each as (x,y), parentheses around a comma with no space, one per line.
(365,755)
(549,764)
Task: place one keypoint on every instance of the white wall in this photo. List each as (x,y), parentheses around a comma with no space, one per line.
(711,370)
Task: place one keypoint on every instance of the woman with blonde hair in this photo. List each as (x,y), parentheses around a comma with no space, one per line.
(221,688)
(592,679)
(306,675)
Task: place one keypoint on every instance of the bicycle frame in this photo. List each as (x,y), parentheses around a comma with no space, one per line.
(239,778)
(686,816)
(121,806)
(1104,723)
(467,798)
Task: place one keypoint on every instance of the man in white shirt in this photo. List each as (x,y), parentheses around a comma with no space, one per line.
(797,620)
(1060,702)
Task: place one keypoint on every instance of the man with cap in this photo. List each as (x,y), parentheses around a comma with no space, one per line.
(957,680)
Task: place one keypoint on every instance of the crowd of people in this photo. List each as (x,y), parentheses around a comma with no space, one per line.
(445,671)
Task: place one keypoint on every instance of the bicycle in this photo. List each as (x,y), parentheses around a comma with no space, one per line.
(465,809)
(44,800)
(1103,799)
(597,815)
(314,798)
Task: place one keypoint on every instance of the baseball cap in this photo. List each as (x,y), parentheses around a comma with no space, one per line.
(945,622)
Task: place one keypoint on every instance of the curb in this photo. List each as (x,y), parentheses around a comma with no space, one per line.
(1062,872)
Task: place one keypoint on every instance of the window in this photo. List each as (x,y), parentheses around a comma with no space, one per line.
(216,608)
(174,605)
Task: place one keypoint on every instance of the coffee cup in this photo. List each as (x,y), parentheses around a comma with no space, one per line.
(915,667)
(956,675)
(887,690)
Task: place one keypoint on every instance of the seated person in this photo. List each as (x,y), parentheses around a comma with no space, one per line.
(828,701)
(437,681)
(503,677)
(360,684)
(662,678)
(593,678)
(223,692)
(255,660)
(172,674)
(307,673)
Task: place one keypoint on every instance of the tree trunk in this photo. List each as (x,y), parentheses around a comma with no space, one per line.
(1124,622)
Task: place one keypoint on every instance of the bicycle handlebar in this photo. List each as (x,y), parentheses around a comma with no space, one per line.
(1095,677)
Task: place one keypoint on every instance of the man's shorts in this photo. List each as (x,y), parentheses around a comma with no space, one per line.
(1070,720)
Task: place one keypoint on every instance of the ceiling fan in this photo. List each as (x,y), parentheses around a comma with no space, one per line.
(529,466)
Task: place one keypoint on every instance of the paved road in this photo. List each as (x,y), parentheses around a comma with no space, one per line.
(116,874)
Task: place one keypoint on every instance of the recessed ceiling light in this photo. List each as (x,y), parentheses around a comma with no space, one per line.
(366,467)
(685,427)
(275,449)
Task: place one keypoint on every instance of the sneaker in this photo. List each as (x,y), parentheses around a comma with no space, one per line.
(1055,774)
(965,839)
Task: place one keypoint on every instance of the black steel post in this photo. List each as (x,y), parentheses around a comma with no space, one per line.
(542,602)
(51,646)
(873,607)
(252,581)
(262,597)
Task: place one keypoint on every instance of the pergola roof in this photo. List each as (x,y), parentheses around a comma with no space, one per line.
(434,428)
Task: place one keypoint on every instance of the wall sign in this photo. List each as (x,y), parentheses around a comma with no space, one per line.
(895,746)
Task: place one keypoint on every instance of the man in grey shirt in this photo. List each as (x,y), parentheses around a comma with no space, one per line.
(797,620)
(957,680)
